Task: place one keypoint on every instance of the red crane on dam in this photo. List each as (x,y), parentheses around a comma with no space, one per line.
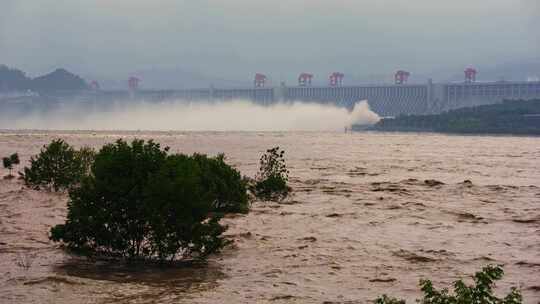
(336,79)
(401,77)
(260,80)
(470,74)
(133,83)
(305,79)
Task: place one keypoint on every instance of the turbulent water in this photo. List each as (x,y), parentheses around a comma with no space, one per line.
(362,221)
(182,115)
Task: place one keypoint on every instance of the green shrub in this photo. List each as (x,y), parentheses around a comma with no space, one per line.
(384,299)
(58,166)
(180,224)
(271,180)
(10,161)
(141,203)
(225,182)
(480,292)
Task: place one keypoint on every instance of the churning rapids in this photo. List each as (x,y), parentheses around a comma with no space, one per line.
(362,221)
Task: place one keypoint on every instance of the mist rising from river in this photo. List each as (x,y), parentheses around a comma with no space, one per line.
(181,116)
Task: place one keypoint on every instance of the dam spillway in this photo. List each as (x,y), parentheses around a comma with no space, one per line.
(385,100)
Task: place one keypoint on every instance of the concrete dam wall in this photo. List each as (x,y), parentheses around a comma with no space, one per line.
(385,100)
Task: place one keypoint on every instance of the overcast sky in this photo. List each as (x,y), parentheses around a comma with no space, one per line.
(235,38)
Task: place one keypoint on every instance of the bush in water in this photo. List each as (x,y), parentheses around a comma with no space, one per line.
(224,182)
(141,203)
(10,161)
(271,180)
(58,166)
(480,292)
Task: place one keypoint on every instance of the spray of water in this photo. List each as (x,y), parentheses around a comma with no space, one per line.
(181,116)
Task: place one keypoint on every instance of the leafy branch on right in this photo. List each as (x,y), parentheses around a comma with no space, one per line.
(480,292)
(271,181)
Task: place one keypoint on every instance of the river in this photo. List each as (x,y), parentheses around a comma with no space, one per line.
(362,221)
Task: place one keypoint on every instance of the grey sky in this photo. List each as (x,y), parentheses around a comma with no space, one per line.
(235,38)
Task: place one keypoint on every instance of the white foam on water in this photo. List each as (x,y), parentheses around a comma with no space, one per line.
(239,115)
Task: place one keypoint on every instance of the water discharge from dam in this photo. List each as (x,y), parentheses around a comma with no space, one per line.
(239,115)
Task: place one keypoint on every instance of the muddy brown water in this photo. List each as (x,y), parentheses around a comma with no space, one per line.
(362,221)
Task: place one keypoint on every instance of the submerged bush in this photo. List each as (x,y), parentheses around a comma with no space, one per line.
(140,202)
(480,292)
(10,161)
(179,207)
(271,180)
(384,299)
(225,182)
(58,166)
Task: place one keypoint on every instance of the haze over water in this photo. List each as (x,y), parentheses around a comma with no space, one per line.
(239,115)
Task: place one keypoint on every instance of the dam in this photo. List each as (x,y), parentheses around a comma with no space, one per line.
(385,99)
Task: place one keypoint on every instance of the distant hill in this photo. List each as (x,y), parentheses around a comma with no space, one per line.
(16,80)
(510,117)
(60,79)
(13,79)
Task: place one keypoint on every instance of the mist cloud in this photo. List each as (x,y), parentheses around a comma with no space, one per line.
(181,116)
